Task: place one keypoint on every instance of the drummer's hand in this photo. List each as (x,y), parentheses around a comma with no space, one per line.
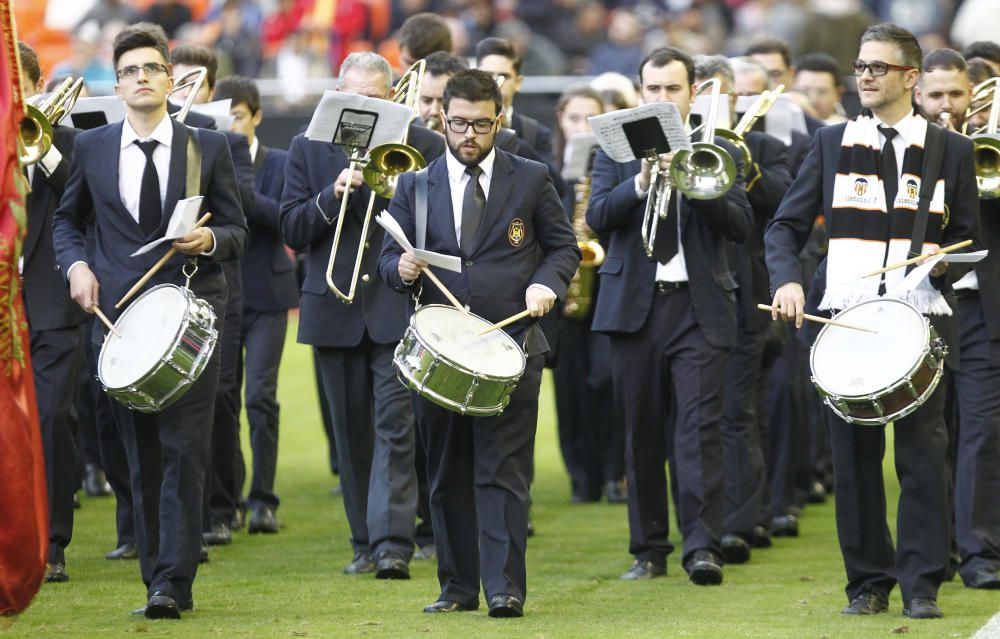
(83,287)
(789,303)
(339,185)
(539,300)
(409,267)
(939,268)
(198,241)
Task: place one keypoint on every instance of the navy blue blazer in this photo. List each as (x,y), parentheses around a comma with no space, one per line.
(628,275)
(524,238)
(811,194)
(93,186)
(268,272)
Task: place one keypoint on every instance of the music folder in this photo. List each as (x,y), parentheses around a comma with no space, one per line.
(630,134)
(356,121)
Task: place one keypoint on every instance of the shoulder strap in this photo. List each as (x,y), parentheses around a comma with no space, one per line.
(420,218)
(193,182)
(933,152)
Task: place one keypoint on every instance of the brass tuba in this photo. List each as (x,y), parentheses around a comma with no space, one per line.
(985,141)
(383,165)
(35,137)
(580,293)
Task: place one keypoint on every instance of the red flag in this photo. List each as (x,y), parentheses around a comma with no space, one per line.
(23,502)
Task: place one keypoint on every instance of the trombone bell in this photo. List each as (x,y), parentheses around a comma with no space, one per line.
(386,162)
(987,153)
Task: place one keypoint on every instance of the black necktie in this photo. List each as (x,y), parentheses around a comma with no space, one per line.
(665,247)
(473,204)
(890,172)
(150,207)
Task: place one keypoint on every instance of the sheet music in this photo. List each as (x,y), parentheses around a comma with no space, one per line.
(182,222)
(967,258)
(723,120)
(391,226)
(106,108)
(218,110)
(914,277)
(611,137)
(356,120)
(784,116)
(577,156)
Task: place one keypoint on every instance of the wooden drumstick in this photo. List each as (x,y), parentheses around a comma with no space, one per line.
(823,320)
(444,289)
(104,318)
(506,322)
(159,264)
(923,256)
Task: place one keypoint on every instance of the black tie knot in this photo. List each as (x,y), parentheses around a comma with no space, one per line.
(888,132)
(474,171)
(147,147)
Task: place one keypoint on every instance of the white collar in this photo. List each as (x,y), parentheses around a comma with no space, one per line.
(163,133)
(910,129)
(253,148)
(456,169)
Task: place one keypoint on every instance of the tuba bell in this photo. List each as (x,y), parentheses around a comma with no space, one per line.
(35,137)
(985,141)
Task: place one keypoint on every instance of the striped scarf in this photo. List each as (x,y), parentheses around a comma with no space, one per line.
(863,236)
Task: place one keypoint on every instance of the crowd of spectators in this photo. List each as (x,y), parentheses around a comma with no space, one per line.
(309,38)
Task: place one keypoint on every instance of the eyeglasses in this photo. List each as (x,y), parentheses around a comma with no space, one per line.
(458,125)
(151,69)
(877,68)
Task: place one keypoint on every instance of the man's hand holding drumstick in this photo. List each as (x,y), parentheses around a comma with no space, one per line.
(789,303)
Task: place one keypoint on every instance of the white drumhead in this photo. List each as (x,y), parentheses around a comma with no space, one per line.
(849,363)
(452,335)
(148,328)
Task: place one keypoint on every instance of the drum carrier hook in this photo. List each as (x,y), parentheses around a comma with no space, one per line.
(192,265)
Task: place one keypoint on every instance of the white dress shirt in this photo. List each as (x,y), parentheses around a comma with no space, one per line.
(253,149)
(132,163)
(676,269)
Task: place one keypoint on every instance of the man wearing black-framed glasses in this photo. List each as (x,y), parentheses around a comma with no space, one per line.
(872,223)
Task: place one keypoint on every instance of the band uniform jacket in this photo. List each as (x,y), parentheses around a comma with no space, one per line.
(308,218)
(628,275)
(93,185)
(524,238)
(268,271)
(46,293)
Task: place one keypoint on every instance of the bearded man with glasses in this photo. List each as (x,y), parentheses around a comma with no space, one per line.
(871,226)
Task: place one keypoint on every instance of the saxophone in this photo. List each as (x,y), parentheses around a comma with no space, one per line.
(579,295)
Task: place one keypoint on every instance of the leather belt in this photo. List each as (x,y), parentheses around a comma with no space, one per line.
(665,288)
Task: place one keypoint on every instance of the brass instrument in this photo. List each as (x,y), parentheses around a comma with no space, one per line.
(192,80)
(985,141)
(383,165)
(706,172)
(35,137)
(757,110)
(579,295)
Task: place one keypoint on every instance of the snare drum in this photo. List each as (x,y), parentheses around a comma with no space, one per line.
(873,379)
(443,360)
(167,338)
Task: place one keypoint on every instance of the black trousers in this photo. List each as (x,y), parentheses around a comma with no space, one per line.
(479,471)
(920,558)
(669,367)
(324,412)
(788,449)
(262,342)
(976,388)
(56,356)
(373,426)
(591,437)
(745,477)
(168,456)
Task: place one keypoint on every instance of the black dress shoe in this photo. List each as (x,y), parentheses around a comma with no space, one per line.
(785,526)
(506,606)
(642,569)
(392,567)
(187,607)
(817,493)
(361,564)
(162,606)
(704,568)
(425,553)
(55,574)
(735,549)
(531,529)
(761,537)
(203,555)
(125,551)
(95,484)
(984,580)
(616,492)
(262,520)
(922,608)
(443,605)
(867,603)
(220,535)
(76,501)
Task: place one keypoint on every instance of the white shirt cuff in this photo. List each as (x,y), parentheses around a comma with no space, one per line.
(71,267)
(214,245)
(639,193)
(50,161)
(544,288)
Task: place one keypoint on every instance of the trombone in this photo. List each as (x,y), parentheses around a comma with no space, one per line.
(192,80)
(985,141)
(35,137)
(757,110)
(706,172)
(382,167)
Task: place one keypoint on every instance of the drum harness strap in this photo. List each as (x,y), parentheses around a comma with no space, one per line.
(193,188)
(420,221)
(933,150)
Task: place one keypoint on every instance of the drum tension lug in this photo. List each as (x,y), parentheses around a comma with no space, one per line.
(876,405)
(911,390)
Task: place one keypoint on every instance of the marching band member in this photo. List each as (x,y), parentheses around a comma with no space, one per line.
(886,143)
(167,451)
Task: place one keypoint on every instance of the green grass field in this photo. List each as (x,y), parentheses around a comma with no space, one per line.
(290,585)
